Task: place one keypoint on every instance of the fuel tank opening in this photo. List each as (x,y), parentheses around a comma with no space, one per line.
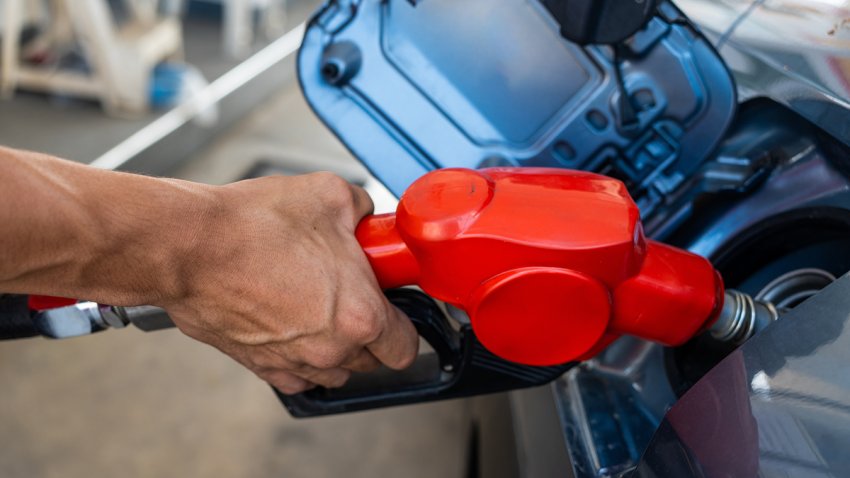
(783,260)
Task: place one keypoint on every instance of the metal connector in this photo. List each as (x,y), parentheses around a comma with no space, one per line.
(86,318)
(741,317)
(145,317)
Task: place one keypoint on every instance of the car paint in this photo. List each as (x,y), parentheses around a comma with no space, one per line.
(796,52)
(789,51)
(778,406)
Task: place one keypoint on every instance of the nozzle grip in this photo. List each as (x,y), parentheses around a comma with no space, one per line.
(391,260)
(460,367)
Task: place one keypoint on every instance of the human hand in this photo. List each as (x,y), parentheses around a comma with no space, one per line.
(277,280)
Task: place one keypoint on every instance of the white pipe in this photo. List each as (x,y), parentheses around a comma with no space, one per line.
(202,101)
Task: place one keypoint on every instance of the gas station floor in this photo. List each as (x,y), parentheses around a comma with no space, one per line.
(125,403)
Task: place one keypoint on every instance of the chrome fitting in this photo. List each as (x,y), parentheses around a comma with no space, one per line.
(741,317)
(113,316)
(85,318)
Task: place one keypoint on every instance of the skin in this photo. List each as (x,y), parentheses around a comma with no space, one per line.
(266,270)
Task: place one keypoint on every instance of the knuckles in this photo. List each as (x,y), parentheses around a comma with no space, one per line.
(335,192)
(339,379)
(324,357)
(286,383)
(290,388)
(327,190)
(403,361)
(362,323)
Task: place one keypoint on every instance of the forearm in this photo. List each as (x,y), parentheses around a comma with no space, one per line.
(268,270)
(74,231)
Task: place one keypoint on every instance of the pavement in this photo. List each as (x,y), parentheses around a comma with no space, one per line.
(125,403)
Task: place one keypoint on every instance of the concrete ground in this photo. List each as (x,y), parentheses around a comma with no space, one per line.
(125,403)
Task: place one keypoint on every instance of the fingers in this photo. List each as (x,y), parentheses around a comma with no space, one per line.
(332,320)
(363,204)
(286,382)
(397,345)
(364,361)
(296,382)
(328,378)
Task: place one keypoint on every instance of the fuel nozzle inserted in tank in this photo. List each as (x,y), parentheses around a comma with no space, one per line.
(551,265)
(741,317)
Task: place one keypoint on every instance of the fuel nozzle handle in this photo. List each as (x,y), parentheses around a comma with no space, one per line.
(551,265)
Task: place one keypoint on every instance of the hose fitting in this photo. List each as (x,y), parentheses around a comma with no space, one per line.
(741,317)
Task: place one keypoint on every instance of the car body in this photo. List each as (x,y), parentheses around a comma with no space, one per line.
(738,152)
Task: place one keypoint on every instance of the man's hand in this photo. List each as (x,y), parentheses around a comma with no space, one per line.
(278,282)
(266,270)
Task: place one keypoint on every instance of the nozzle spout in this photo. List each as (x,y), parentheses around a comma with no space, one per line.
(741,317)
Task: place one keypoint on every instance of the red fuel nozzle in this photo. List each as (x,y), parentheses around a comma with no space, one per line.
(551,265)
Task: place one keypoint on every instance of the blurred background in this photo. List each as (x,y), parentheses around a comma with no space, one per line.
(203,90)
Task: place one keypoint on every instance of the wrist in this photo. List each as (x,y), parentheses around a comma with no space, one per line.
(115,238)
(146,233)
(183,240)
